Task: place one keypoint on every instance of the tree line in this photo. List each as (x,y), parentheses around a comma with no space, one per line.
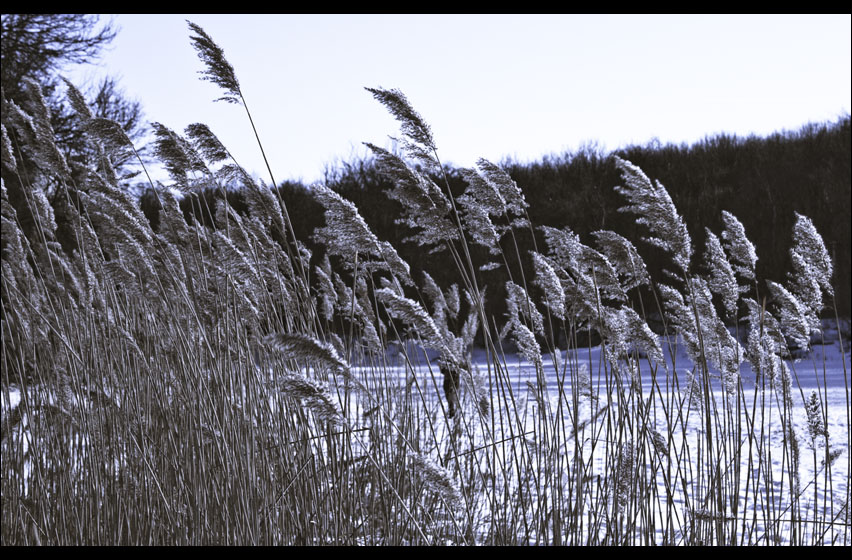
(763,181)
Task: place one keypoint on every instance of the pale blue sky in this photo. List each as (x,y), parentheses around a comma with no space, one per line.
(489,85)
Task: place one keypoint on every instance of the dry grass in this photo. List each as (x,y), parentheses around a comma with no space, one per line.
(192,385)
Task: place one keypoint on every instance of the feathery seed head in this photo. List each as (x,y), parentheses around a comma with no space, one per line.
(413,314)
(302,347)
(412,124)
(425,207)
(624,477)
(6,152)
(453,301)
(547,279)
(346,235)
(77,101)
(436,478)
(108,129)
(741,252)
(519,302)
(722,281)
(656,211)
(45,150)
(816,421)
(624,257)
(477,223)
(314,395)
(177,154)
(219,70)
(439,302)
(206,142)
(793,315)
(812,269)
(502,183)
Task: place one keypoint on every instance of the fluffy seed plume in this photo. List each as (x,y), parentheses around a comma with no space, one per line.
(584,383)
(46,152)
(808,243)
(425,207)
(519,302)
(482,193)
(624,477)
(656,211)
(722,281)
(109,130)
(207,143)
(412,124)
(624,257)
(502,182)
(547,279)
(303,347)
(346,234)
(625,331)
(642,336)
(816,422)
(439,302)
(177,154)
(314,395)
(348,305)
(812,269)
(219,70)
(6,152)
(477,223)
(326,289)
(792,314)
(720,349)
(471,324)
(453,301)
(78,102)
(591,270)
(413,314)
(491,193)
(766,344)
(740,250)
(436,478)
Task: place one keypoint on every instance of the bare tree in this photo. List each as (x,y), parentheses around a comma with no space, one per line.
(38,47)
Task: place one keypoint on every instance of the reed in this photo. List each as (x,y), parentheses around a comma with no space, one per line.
(212,382)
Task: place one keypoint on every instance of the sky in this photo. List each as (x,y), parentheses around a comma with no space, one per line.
(492,86)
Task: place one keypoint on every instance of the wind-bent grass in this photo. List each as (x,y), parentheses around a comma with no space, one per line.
(188,384)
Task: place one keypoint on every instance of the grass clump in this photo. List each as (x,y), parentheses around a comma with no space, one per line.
(211,381)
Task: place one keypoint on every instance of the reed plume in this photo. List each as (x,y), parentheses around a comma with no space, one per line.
(314,395)
(817,428)
(38,118)
(425,208)
(547,279)
(721,279)
(436,479)
(219,70)
(740,250)
(418,142)
(655,210)
(624,257)
(302,347)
